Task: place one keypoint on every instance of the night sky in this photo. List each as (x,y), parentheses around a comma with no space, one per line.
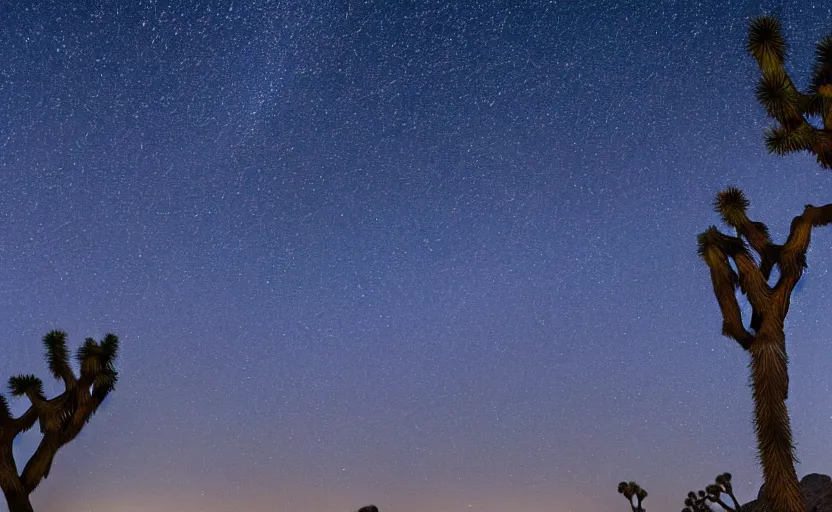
(436,256)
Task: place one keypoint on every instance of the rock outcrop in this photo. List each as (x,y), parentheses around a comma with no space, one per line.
(816,489)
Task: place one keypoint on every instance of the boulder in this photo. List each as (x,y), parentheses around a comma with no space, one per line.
(816,489)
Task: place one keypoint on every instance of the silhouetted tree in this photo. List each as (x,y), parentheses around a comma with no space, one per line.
(713,495)
(695,502)
(368,508)
(634,494)
(765,340)
(731,264)
(793,110)
(61,418)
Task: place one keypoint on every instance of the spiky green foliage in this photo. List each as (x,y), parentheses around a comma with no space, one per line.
(791,108)
(781,99)
(732,204)
(57,355)
(766,43)
(96,358)
(822,72)
(25,385)
(781,141)
(104,383)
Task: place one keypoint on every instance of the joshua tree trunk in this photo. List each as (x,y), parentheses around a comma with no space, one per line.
(14,491)
(765,340)
(18,501)
(769,384)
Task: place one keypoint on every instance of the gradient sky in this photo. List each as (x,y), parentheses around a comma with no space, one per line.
(428,255)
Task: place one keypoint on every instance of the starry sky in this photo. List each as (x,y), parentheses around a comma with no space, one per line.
(429,255)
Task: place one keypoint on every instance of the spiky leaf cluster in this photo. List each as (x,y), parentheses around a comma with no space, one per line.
(731,204)
(781,141)
(27,385)
(97,360)
(766,43)
(57,355)
(822,73)
(781,99)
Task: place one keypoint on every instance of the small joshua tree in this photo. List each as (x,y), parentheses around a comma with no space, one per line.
(61,418)
(695,502)
(634,494)
(713,494)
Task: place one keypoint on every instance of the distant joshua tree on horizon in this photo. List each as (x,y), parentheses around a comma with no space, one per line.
(765,339)
(61,418)
(701,501)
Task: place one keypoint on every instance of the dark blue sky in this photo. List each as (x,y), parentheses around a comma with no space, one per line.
(431,255)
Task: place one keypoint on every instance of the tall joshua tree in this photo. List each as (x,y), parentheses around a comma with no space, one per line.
(765,340)
(796,114)
(61,418)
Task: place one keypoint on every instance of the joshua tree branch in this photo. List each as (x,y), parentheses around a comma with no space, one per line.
(724,505)
(61,433)
(793,253)
(757,236)
(732,205)
(57,356)
(37,401)
(39,465)
(737,506)
(724,281)
(715,248)
(751,280)
(16,425)
(25,421)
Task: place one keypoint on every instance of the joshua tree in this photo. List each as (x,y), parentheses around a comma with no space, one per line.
(634,494)
(61,418)
(695,502)
(701,501)
(793,110)
(765,340)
